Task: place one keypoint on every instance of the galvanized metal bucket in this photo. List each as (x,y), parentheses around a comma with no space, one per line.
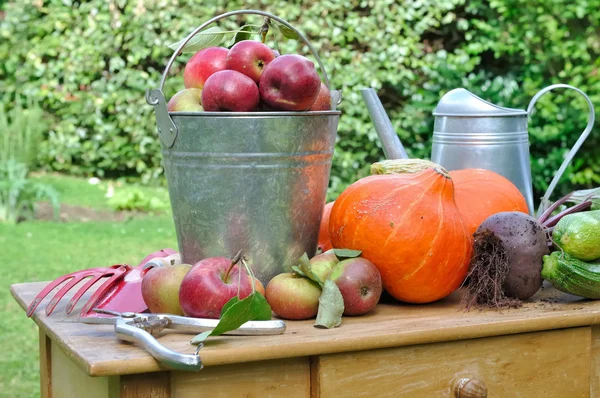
(254,181)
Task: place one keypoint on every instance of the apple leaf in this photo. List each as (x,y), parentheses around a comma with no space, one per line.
(298,271)
(252,308)
(286,32)
(242,34)
(228,304)
(331,306)
(306,268)
(207,38)
(347,253)
(201,337)
(263,309)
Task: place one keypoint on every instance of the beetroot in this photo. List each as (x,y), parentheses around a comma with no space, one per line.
(508,256)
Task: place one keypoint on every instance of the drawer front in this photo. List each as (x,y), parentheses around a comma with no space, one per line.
(288,378)
(542,364)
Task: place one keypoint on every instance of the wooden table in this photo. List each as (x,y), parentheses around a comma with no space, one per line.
(548,348)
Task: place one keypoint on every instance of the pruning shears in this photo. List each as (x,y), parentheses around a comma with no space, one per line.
(142,329)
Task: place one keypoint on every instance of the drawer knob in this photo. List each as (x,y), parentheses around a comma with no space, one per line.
(470,388)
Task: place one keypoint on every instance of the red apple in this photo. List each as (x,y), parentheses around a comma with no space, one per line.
(186,100)
(229,90)
(160,288)
(290,83)
(360,284)
(202,65)
(292,296)
(324,242)
(322,264)
(323,101)
(210,284)
(250,58)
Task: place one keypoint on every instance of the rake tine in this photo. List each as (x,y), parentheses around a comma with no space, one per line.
(41,295)
(63,290)
(105,287)
(73,302)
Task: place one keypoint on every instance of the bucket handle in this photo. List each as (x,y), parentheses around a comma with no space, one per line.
(167,130)
(591,118)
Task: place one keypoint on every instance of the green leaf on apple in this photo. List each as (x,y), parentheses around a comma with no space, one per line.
(236,312)
(347,253)
(207,38)
(243,33)
(306,269)
(285,31)
(331,306)
(228,304)
(298,271)
(201,337)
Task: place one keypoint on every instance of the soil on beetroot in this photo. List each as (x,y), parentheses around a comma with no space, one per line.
(70,213)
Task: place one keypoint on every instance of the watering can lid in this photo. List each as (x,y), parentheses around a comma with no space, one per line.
(461,102)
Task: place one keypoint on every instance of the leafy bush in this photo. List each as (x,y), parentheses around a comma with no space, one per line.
(90,63)
(19,194)
(134,199)
(21,131)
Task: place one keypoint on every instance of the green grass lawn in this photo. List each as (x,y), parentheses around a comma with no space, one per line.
(44,250)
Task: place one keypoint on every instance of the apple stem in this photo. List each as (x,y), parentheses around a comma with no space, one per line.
(234,261)
(264,29)
(250,272)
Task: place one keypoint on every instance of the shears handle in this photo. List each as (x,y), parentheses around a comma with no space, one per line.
(172,359)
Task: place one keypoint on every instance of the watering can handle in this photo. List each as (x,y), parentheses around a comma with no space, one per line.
(239,12)
(591,118)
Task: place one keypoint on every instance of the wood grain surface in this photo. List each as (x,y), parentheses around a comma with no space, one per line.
(97,351)
(287,378)
(551,364)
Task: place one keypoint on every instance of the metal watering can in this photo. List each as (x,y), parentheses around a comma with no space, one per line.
(250,181)
(470,132)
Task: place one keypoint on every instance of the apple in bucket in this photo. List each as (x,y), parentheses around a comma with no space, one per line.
(250,58)
(290,83)
(202,65)
(186,100)
(229,90)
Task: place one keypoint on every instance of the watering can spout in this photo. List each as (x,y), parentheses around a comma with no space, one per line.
(392,147)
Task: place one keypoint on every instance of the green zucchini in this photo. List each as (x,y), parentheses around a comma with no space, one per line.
(578,234)
(573,276)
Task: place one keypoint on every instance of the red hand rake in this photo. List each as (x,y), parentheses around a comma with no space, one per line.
(122,292)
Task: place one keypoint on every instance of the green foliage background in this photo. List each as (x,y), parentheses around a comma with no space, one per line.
(89,62)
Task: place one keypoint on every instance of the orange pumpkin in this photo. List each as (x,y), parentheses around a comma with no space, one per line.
(324,240)
(481,193)
(408,226)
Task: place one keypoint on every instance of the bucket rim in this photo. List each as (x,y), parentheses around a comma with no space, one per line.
(250,114)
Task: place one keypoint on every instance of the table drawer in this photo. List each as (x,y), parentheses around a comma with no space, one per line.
(542,364)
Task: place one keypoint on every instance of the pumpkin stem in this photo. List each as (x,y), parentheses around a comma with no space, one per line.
(405,166)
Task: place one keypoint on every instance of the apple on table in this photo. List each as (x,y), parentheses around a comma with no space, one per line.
(359,282)
(211,283)
(160,288)
(292,296)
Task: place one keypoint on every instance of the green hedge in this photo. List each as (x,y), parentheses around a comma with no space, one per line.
(90,62)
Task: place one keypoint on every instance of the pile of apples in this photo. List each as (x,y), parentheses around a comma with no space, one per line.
(202,290)
(249,77)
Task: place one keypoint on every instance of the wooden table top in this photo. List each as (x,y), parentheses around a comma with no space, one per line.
(97,350)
